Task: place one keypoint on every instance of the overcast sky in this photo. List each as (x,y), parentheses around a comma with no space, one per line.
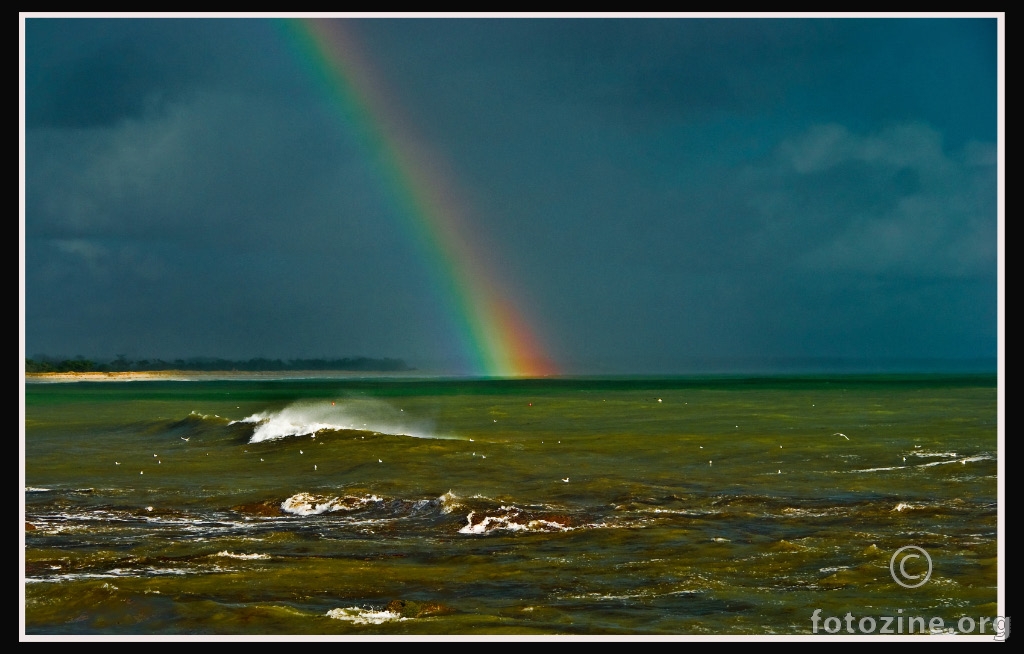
(654,191)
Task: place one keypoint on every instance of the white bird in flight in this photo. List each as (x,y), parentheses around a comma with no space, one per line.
(184,439)
(565,479)
(843,435)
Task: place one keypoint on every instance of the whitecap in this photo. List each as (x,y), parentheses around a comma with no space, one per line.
(507,521)
(306,418)
(310,504)
(881,469)
(233,555)
(364,616)
(449,502)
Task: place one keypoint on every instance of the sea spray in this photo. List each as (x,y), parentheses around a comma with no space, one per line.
(307,418)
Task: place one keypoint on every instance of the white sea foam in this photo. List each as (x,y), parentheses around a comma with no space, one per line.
(310,504)
(306,418)
(70,577)
(507,519)
(965,460)
(449,502)
(120,573)
(364,616)
(834,569)
(968,459)
(247,557)
(792,511)
(205,416)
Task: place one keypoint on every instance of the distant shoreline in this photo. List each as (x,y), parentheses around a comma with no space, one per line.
(418,375)
(204,375)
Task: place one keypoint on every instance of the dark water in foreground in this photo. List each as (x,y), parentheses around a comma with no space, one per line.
(647,507)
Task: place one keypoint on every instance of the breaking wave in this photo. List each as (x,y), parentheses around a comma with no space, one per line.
(308,418)
(364,616)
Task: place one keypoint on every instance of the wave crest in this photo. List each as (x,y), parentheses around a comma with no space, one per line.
(307,418)
(511,518)
(310,504)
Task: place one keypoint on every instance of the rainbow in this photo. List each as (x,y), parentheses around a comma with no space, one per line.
(495,335)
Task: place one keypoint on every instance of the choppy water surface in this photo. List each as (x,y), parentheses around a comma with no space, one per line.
(643,506)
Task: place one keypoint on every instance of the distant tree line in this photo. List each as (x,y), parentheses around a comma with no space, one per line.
(43,363)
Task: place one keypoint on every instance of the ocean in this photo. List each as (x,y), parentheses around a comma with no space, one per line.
(677,506)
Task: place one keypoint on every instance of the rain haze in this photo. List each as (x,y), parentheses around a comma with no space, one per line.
(638,195)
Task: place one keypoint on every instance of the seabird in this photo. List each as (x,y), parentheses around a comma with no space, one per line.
(566,479)
(843,435)
(184,439)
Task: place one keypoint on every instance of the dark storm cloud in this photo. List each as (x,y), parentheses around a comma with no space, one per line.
(655,189)
(84,72)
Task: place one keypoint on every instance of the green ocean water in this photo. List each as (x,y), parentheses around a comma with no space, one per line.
(670,506)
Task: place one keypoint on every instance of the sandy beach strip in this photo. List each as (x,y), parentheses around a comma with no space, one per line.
(200,375)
